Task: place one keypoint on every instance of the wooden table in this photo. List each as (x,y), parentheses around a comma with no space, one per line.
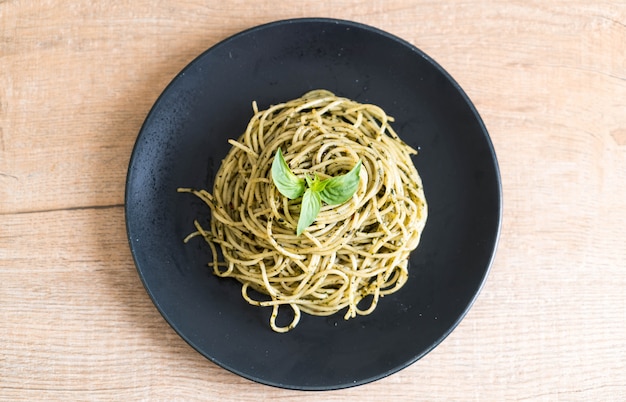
(77,79)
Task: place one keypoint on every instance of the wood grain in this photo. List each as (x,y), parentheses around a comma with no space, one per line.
(78,78)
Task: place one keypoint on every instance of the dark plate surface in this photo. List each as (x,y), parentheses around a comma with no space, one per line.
(184,139)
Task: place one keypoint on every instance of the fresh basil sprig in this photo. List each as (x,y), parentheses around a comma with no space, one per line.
(333,191)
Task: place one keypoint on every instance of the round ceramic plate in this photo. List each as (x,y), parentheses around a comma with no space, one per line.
(184,139)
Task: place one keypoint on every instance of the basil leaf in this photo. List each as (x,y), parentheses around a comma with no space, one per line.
(317,185)
(340,189)
(287,183)
(311,205)
(333,191)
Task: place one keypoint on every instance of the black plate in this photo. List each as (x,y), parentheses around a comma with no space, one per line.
(185,137)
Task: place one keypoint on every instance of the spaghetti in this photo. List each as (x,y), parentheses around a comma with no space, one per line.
(353,253)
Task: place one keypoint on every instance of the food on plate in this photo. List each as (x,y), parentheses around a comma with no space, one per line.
(317,206)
